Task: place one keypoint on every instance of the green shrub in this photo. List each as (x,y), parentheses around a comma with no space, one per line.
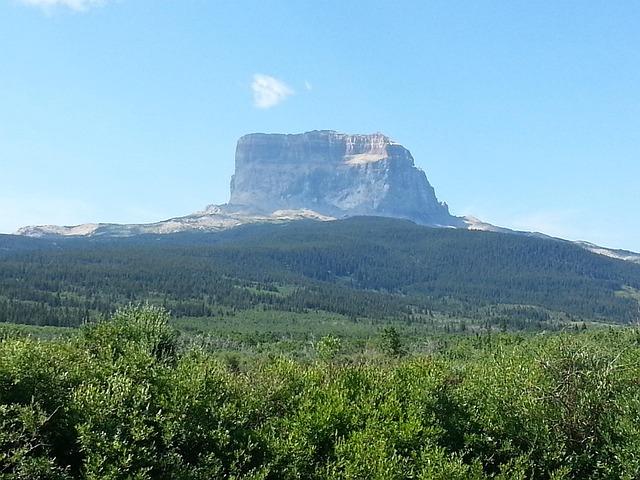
(121,401)
(328,348)
(139,327)
(25,452)
(390,342)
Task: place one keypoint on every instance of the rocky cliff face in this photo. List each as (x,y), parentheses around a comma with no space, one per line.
(334,174)
(321,175)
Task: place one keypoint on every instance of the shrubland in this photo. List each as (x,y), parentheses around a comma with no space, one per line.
(130,397)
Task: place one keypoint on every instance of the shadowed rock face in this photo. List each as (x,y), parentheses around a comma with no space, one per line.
(334,174)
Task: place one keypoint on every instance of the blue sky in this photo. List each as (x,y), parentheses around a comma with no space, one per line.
(525,114)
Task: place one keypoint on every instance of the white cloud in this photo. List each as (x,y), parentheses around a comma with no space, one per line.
(308,85)
(78,5)
(269,91)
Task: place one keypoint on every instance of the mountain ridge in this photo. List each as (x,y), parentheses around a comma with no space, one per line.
(372,267)
(320,175)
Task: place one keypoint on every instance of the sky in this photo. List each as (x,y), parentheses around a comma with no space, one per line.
(525,114)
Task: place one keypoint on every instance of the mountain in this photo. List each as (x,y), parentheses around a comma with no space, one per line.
(334,174)
(213,218)
(361,267)
(320,175)
(625,255)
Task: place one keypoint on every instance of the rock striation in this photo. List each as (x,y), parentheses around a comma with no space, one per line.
(334,174)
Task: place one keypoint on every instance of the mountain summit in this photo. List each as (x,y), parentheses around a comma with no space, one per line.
(320,175)
(336,175)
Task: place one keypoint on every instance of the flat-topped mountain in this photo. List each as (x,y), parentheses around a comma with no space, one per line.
(334,174)
(320,175)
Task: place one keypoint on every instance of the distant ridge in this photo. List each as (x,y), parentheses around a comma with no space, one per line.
(320,175)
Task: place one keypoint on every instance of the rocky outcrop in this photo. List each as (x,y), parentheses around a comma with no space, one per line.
(320,175)
(212,219)
(334,174)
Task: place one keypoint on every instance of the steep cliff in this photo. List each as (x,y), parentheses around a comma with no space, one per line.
(334,174)
(320,175)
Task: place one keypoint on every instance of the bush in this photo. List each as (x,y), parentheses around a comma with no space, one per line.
(390,342)
(121,401)
(137,327)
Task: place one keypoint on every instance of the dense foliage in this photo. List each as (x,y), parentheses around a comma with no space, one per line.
(361,268)
(127,398)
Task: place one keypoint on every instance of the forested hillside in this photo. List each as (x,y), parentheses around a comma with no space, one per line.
(361,267)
